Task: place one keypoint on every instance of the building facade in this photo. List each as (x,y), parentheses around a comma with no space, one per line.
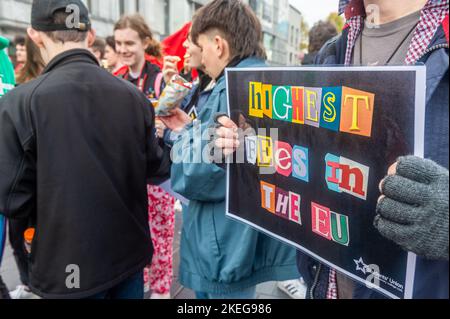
(294,39)
(274,17)
(165,17)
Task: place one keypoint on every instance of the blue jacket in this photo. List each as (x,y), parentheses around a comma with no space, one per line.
(431,277)
(203,97)
(218,254)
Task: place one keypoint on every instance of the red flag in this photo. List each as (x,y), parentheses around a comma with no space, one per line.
(173,44)
(154,60)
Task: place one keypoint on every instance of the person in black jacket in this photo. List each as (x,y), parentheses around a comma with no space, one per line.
(77,148)
(320,33)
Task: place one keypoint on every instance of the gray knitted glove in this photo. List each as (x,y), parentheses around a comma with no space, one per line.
(414,211)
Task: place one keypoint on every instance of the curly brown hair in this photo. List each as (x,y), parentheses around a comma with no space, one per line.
(320,33)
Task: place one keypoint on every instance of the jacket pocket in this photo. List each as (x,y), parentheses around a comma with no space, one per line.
(200,252)
(212,229)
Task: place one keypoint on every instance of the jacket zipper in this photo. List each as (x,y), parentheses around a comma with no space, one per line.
(316,279)
(432,48)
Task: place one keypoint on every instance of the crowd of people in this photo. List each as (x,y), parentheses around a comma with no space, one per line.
(85,160)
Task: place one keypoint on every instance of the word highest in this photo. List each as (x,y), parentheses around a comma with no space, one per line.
(334,108)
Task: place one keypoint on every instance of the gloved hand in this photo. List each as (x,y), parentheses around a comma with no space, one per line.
(413,208)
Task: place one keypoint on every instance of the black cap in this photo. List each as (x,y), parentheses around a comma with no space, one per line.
(42,13)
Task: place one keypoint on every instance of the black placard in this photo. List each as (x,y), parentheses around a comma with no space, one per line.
(360,146)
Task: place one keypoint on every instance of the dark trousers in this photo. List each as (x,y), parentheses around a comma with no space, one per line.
(4,293)
(16,229)
(131,288)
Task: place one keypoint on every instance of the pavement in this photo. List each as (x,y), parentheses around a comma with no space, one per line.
(268,290)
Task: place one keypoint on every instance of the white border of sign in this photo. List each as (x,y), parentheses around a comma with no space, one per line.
(419,140)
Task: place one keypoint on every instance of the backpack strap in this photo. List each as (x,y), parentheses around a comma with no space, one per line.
(158,82)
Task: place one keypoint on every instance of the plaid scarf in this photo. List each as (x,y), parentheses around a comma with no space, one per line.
(332,292)
(431,17)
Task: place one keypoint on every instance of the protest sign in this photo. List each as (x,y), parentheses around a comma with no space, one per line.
(318,142)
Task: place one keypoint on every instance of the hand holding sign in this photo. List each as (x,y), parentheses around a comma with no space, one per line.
(413,208)
(227,136)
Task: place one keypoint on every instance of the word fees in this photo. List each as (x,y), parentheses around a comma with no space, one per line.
(342,175)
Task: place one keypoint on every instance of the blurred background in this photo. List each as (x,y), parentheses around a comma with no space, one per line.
(286,23)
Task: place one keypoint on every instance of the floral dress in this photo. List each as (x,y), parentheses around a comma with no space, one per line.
(161,214)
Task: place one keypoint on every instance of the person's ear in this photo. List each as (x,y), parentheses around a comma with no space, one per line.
(91,37)
(146,43)
(221,46)
(36,37)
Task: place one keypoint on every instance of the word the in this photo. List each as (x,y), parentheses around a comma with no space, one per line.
(280,202)
(335,108)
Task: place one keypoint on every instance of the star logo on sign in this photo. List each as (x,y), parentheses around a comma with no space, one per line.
(361,265)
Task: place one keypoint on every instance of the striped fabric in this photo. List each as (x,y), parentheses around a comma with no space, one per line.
(355,25)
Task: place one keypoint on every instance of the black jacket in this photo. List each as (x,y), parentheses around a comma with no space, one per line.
(76,148)
(148,76)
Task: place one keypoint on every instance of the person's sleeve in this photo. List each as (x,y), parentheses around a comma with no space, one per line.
(194,175)
(17,162)
(158,154)
(327,52)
